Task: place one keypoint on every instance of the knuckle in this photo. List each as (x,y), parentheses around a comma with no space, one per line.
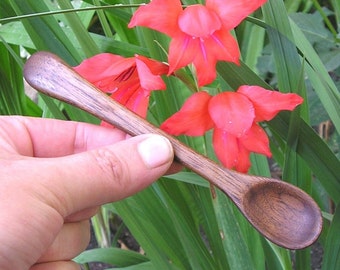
(113,167)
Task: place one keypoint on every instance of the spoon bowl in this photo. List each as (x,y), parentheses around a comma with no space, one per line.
(282,199)
(281,212)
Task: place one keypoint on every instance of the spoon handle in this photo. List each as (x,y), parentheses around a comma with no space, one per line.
(51,76)
(280,211)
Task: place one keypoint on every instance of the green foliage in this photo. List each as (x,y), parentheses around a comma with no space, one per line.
(290,45)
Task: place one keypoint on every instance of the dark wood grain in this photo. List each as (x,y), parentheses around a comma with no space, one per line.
(281,212)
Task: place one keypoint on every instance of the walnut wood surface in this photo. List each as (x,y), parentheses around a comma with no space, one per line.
(281,212)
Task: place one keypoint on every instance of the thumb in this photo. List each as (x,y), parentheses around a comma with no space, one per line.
(106,174)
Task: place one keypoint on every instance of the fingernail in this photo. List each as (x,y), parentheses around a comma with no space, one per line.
(155,151)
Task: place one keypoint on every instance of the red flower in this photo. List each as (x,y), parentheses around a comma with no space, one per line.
(234,117)
(128,80)
(200,34)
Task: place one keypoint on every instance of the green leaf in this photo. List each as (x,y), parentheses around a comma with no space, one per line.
(141,266)
(13,99)
(190,178)
(45,32)
(315,152)
(286,57)
(114,256)
(232,239)
(322,83)
(331,259)
(277,258)
(51,108)
(15,33)
(184,221)
(87,44)
(146,215)
(290,79)
(312,26)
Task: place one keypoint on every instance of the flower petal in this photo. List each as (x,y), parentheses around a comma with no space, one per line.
(225,147)
(136,100)
(219,46)
(182,51)
(205,70)
(185,50)
(148,81)
(232,12)
(103,65)
(232,112)
(160,15)
(126,90)
(256,140)
(129,80)
(139,102)
(102,69)
(224,46)
(192,119)
(156,67)
(269,103)
(229,151)
(132,96)
(243,163)
(198,21)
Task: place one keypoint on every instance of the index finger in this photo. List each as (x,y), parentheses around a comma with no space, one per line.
(38,137)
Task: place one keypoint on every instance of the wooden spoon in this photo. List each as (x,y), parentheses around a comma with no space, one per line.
(283,213)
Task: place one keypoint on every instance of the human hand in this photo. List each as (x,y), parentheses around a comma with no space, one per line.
(53,176)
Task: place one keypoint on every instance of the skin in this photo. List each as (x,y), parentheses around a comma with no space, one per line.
(53,177)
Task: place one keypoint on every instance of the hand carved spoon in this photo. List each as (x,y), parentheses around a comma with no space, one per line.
(283,213)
